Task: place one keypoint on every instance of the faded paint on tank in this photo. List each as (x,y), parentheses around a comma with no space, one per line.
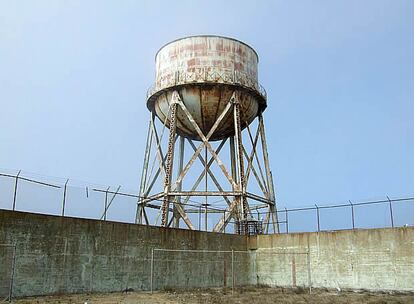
(205,71)
(192,53)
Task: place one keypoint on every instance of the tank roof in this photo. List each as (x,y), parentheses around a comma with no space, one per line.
(213,36)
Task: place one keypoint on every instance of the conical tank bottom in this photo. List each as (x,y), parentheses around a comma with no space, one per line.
(205,103)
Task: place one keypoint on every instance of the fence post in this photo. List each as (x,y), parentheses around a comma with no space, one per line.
(106,202)
(353,216)
(64,197)
(15,190)
(317,217)
(152,269)
(287,220)
(391,215)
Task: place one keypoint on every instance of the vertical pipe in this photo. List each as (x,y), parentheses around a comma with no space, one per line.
(224,271)
(309,271)
(353,215)
(64,197)
(15,190)
(255,267)
(152,270)
(391,215)
(293,271)
(12,274)
(317,217)
(232,271)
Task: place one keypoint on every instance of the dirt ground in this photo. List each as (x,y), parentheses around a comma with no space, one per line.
(241,295)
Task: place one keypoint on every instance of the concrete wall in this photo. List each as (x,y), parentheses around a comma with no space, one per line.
(375,259)
(68,255)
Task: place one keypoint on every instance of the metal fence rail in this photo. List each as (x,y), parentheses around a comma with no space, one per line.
(215,256)
(352,206)
(21,191)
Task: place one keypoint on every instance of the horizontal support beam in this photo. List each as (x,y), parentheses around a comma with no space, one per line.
(257,207)
(204,193)
(154,197)
(255,197)
(203,210)
(260,199)
(155,207)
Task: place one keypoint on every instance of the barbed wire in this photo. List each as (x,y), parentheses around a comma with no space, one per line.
(202,206)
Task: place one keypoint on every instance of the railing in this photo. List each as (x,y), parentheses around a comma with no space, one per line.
(207,75)
(22,191)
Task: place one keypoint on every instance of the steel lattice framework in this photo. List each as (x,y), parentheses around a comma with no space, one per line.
(173,203)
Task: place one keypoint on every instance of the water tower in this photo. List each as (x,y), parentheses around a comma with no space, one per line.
(207,99)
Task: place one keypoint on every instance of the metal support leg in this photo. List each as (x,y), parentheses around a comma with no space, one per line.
(139,212)
(269,176)
(179,186)
(234,174)
(240,161)
(206,189)
(169,163)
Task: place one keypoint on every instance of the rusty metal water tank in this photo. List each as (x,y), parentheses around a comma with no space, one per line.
(205,71)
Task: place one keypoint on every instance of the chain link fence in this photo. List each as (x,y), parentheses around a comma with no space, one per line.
(22,191)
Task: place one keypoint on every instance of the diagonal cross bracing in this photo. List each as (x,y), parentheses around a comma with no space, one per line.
(204,143)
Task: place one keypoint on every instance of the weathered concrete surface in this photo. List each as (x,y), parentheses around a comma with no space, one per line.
(375,259)
(69,255)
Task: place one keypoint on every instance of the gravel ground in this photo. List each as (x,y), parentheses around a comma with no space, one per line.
(241,295)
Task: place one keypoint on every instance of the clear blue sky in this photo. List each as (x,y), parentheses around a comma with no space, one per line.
(339,77)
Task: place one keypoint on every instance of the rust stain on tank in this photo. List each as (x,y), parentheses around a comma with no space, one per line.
(206,70)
